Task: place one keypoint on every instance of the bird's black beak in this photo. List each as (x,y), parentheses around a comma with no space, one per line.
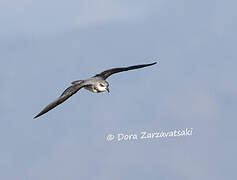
(108,90)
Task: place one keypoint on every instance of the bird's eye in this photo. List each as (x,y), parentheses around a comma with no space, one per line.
(102,85)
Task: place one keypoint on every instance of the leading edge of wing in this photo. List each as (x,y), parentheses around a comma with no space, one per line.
(105,74)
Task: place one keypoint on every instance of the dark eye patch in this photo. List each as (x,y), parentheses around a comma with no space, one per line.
(102,85)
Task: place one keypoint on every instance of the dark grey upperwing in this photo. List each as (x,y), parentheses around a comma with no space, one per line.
(109,72)
(65,95)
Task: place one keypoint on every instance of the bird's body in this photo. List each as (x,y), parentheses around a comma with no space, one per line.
(95,84)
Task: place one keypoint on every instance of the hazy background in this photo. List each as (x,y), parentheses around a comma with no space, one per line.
(44,45)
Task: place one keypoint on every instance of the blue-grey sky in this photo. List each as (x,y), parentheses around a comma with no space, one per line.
(47,44)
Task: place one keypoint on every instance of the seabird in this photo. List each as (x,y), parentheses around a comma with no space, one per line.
(95,84)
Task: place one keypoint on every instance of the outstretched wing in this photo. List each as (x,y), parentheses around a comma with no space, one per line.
(65,95)
(109,72)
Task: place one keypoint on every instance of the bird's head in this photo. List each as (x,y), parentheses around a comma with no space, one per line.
(103,86)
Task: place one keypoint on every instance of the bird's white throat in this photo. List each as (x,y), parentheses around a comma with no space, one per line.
(101,89)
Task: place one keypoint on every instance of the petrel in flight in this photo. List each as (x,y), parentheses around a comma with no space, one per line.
(94,84)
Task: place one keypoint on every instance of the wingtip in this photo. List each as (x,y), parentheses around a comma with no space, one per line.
(154,63)
(35,117)
(38,115)
(158,61)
